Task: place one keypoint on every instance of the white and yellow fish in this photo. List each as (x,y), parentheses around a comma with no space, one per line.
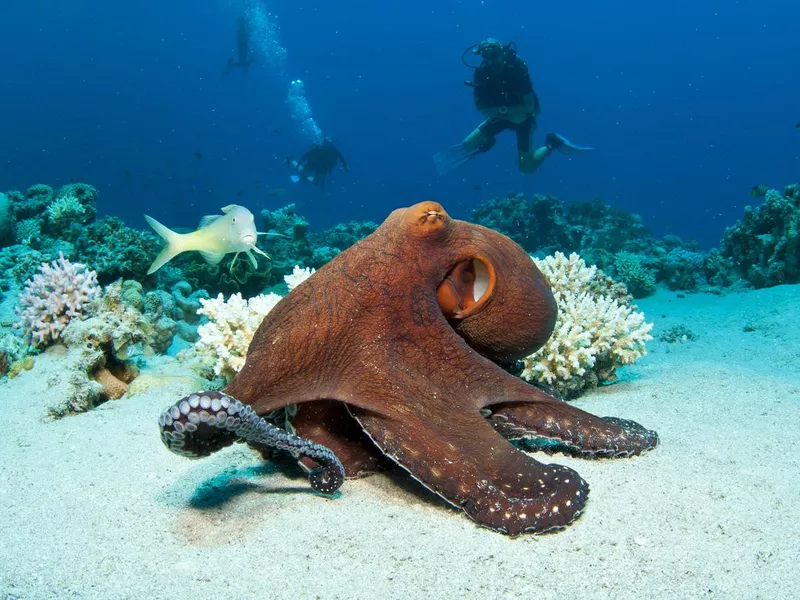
(217,235)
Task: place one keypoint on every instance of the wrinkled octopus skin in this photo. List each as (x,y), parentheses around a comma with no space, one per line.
(391,352)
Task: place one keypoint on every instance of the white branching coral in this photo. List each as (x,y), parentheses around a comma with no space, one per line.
(233,323)
(60,292)
(595,332)
(230,329)
(297,277)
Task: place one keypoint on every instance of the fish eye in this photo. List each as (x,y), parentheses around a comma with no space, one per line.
(233,220)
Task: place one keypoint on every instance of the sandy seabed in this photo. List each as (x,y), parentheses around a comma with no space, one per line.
(94,507)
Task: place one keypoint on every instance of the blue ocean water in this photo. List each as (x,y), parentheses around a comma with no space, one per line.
(688,104)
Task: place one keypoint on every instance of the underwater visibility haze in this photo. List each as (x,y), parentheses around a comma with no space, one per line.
(384,271)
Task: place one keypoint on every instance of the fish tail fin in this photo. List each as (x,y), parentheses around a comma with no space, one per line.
(171,250)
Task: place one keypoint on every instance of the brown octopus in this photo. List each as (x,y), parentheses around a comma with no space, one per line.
(393,349)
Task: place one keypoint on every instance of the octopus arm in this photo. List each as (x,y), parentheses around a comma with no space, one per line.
(468,464)
(575,430)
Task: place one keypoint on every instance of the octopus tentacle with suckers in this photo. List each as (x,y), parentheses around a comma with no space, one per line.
(392,350)
(205,422)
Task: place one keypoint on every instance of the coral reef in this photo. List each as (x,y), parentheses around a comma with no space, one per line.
(73,206)
(632,270)
(218,279)
(764,247)
(614,240)
(61,292)
(329,243)
(115,250)
(100,364)
(543,224)
(681,267)
(33,203)
(291,245)
(720,271)
(51,222)
(166,314)
(117,328)
(19,263)
(594,333)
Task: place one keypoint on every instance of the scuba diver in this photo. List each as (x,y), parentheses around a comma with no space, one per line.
(244,52)
(316,163)
(504,94)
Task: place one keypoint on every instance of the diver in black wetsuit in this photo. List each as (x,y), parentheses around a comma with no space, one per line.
(317,162)
(504,94)
(244,51)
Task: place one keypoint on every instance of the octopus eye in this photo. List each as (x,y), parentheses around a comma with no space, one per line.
(468,286)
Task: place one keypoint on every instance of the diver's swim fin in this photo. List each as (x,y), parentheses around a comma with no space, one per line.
(453,158)
(557,142)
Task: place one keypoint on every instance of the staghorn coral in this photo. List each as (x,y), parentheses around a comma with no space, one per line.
(594,333)
(61,292)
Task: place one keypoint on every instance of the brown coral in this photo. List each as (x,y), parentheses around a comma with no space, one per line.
(114,377)
(113,388)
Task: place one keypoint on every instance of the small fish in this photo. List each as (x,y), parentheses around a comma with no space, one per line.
(277,192)
(759,191)
(198,155)
(217,235)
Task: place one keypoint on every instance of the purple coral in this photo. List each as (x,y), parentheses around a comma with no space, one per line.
(60,292)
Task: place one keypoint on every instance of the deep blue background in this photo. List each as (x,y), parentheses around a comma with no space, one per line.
(689,103)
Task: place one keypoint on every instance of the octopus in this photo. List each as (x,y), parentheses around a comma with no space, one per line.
(397,351)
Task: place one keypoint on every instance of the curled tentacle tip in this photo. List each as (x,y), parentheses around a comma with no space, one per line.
(326,480)
(202,423)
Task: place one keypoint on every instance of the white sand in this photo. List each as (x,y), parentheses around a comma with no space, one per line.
(94,507)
